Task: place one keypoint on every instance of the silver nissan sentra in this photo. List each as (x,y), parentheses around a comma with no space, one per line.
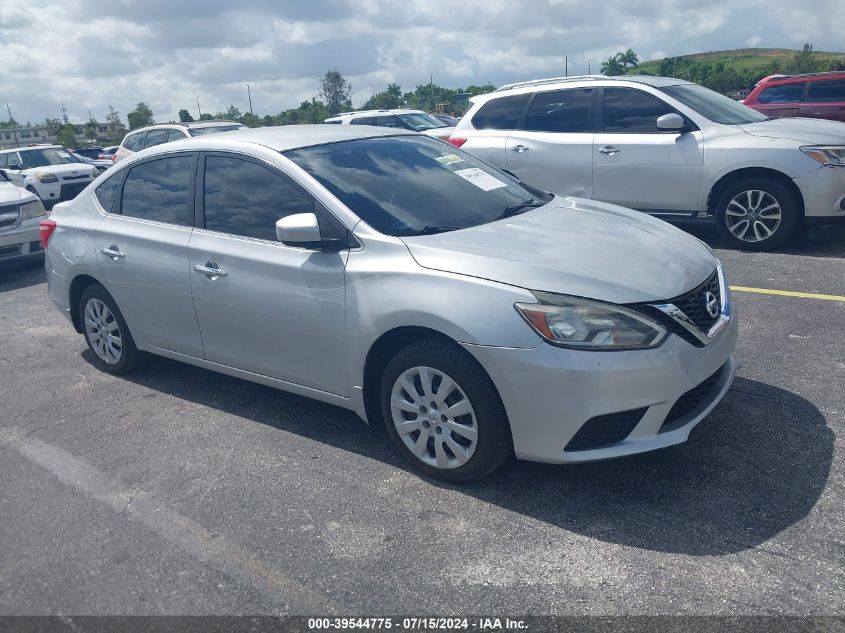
(403,279)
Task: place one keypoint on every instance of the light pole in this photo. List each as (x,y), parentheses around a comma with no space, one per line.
(589,67)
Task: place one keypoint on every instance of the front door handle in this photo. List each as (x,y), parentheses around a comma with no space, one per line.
(610,150)
(211,270)
(519,148)
(113,253)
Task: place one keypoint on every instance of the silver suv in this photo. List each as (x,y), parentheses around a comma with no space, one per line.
(161,133)
(666,147)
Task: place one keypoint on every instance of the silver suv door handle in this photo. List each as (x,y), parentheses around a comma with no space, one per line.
(211,270)
(113,253)
(610,150)
(519,148)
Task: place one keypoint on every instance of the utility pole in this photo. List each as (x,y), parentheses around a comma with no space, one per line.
(589,61)
(198,109)
(64,112)
(566,66)
(431,92)
(249,95)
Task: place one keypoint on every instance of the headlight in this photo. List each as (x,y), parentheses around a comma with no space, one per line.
(44,176)
(833,155)
(32,209)
(589,325)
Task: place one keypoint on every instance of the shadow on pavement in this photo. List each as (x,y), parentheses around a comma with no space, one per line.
(14,276)
(756,466)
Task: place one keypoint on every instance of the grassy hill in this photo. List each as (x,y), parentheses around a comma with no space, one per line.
(740,59)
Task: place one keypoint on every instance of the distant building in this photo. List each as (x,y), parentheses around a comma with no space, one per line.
(38,134)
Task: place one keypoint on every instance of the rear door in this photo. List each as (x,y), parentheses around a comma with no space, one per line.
(636,166)
(553,149)
(267,308)
(493,123)
(782,100)
(825,100)
(142,250)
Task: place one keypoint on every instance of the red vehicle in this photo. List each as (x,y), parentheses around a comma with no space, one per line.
(817,95)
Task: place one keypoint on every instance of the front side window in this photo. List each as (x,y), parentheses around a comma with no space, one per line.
(413,185)
(500,114)
(631,111)
(827,91)
(45,157)
(244,198)
(107,192)
(420,121)
(364,120)
(390,121)
(560,111)
(785,93)
(156,137)
(159,190)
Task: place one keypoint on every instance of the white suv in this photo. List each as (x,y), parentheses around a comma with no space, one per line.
(415,120)
(49,171)
(666,147)
(160,133)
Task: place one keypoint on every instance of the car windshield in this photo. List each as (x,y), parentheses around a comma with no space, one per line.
(409,185)
(420,121)
(44,157)
(214,129)
(718,108)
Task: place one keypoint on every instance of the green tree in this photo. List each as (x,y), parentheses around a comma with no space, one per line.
(805,60)
(232,113)
(250,120)
(140,116)
(185,116)
(92,128)
(335,92)
(66,136)
(205,116)
(53,126)
(612,67)
(114,123)
(390,98)
(629,58)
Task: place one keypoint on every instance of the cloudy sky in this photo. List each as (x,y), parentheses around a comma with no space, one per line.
(167,53)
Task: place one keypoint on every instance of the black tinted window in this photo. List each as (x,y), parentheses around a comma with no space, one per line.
(500,114)
(133,142)
(244,198)
(830,90)
(632,111)
(156,137)
(560,111)
(107,192)
(390,121)
(785,93)
(159,190)
(175,135)
(364,120)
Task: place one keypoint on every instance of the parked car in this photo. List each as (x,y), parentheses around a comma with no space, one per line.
(401,119)
(20,214)
(87,152)
(49,171)
(166,132)
(108,153)
(100,164)
(666,147)
(390,274)
(814,95)
(446,119)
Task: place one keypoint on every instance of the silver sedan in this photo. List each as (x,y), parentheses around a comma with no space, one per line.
(403,279)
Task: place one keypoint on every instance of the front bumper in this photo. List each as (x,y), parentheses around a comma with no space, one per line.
(823,190)
(550,393)
(21,242)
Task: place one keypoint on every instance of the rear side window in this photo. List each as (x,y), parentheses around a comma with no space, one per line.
(134,142)
(830,90)
(630,111)
(156,137)
(159,190)
(245,198)
(107,192)
(785,93)
(500,114)
(560,111)
(176,135)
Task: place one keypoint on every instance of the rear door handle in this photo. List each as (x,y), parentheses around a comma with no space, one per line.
(211,270)
(519,148)
(113,253)
(610,150)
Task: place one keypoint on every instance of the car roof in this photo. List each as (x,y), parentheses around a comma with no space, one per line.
(188,125)
(28,148)
(383,111)
(771,79)
(648,80)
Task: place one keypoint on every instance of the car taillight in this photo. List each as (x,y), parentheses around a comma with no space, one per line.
(457,142)
(46,228)
(113,157)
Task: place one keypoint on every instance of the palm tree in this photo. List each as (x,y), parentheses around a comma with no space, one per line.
(612,66)
(629,58)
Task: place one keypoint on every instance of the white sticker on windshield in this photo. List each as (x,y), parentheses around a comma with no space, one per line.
(480,179)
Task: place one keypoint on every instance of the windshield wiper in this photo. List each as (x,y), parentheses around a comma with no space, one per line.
(513,209)
(432,229)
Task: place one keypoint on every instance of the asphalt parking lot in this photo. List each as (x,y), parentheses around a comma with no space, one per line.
(177,490)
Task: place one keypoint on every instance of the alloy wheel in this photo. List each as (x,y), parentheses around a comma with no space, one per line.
(434,418)
(103,332)
(753,215)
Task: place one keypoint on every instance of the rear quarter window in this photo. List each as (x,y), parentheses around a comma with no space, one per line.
(133,142)
(107,192)
(500,114)
(829,90)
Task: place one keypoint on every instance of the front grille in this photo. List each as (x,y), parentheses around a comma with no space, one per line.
(9,216)
(10,251)
(69,192)
(690,401)
(605,430)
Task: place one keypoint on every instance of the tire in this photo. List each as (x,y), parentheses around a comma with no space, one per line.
(121,357)
(458,447)
(768,196)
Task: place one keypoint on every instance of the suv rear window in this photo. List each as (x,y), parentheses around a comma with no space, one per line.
(500,114)
(133,142)
(784,93)
(560,111)
(829,90)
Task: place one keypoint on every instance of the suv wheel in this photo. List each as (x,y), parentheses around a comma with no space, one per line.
(757,214)
(106,332)
(443,412)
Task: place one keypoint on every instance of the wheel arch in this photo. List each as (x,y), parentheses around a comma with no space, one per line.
(77,287)
(737,175)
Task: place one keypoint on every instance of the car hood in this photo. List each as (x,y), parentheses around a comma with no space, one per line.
(816,131)
(66,169)
(12,194)
(576,247)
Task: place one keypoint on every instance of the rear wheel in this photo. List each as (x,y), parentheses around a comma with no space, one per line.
(106,332)
(758,214)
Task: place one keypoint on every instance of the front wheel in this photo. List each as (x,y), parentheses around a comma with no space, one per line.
(444,413)
(758,214)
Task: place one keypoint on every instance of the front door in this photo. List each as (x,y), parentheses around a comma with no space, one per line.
(264,307)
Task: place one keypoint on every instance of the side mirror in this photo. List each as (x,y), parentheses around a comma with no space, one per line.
(300,229)
(672,123)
